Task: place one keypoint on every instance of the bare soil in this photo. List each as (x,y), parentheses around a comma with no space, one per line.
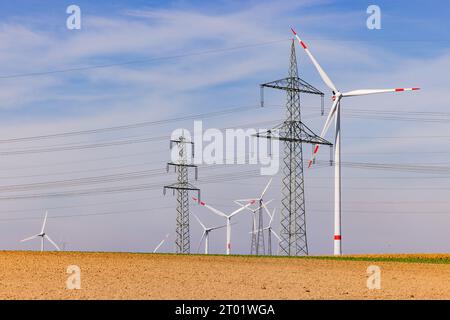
(35,275)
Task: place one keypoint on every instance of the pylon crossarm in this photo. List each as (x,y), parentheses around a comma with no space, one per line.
(182,186)
(305,134)
(295,84)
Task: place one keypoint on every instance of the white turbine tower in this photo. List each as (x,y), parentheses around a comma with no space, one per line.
(43,236)
(228,217)
(205,234)
(336,113)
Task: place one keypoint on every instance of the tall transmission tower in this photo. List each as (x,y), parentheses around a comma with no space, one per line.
(293,133)
(182,188)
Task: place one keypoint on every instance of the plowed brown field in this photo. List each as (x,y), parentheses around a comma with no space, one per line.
(35,275)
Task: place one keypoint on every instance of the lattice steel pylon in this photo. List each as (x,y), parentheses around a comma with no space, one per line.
(258,244)
(293,132)
(182,188)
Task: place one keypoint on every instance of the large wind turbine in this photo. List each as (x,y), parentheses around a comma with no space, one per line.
(43,236)
(228,217)
(205,234)
(336,113)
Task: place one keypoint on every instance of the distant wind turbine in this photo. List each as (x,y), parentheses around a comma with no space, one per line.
(205,235)
(257,234)
(270,231)
(43,236)
(227,217)
(161,243)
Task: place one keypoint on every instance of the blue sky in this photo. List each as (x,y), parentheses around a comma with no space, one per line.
(406,32)
(411,49)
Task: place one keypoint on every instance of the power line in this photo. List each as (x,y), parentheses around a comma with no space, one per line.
(101,145)
(133,125)
(164,121)
(96,204)
(120,189)
(149,211)
(349,111)
(172,57)
(140,61)
(137,211)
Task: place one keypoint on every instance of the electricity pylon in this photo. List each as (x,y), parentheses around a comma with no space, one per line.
(293,133)
(182,188)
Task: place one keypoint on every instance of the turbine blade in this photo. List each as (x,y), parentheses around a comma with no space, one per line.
(52,242)
(276,235)
(199,221)
(265,189)
(238,202)
(325,128)
(219,227)
(322,73)
(200,243)
(243,205)
(241,208)
(45,221)
(159,245)
(272,216)
(364,92)
(29,238)
(245,200)
(266,209)
(218,212)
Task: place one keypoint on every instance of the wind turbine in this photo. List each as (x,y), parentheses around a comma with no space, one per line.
(336,113)
(228,217)
(256,230)
(43,236)
(205,234)
(270,231)
(161,243)
(257,237)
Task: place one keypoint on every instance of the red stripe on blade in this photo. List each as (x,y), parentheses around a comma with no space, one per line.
(303,45)
(316,149)
(400,89)
(293,31)
(337,237)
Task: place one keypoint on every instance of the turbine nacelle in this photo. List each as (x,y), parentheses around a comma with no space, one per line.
(336,95)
